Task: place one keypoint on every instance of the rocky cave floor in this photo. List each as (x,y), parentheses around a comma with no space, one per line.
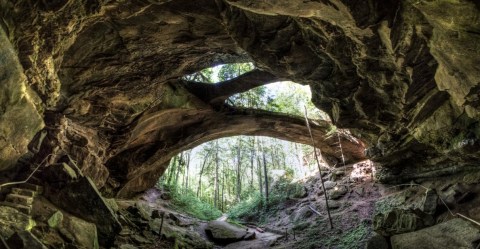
(352,204)
(365,214)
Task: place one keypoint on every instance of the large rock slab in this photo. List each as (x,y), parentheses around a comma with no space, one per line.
(405,211)
(83,233)
(224,232)
(188,239)
(78,194)
(20,117)
(377,241)
(456,233)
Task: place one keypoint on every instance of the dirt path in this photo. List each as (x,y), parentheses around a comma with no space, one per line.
(262,240)
(224,217)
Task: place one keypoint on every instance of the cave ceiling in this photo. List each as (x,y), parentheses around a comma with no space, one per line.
(100,82)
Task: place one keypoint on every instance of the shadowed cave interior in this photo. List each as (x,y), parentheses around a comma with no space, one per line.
(109,109)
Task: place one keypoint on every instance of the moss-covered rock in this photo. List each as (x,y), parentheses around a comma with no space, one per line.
(12,220)
(456,233)
(405,211)
(225,232)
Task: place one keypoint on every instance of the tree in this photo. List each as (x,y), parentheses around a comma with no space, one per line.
(217,165)
(239,168)
(266,176)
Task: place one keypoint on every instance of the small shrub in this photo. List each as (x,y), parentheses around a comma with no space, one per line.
(253,208)
(186,201)
(247,209)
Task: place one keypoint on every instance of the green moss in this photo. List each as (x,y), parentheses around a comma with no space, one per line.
(353,237)
(318,235)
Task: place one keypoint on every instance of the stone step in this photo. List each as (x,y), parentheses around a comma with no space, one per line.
(19,199)
(34,187)
(24,192)
(22,208)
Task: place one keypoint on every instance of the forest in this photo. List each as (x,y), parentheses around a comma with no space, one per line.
(236,174)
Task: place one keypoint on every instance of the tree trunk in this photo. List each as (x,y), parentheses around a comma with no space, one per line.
(201,173)
(239,167)
(215,197)
(266,179)
(187,167)
(260,181)
(179,166)
(172,170)
(252,157)
(223,193)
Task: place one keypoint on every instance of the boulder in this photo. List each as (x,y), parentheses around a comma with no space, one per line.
(83,233)
(302,214)
(56,219)
(250,236)
(455,233)
(334,204)
(337,192)
(376,241)
(12,220)
(224,232)
(69,190)
(78,231)
(188,239)
(24,240)
(329,184)
(399,221)
(406,211)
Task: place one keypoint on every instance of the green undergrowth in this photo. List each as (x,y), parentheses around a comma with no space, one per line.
(255,207)
(186,201)
(320,236)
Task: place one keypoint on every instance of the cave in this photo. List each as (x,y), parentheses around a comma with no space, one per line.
(97,98)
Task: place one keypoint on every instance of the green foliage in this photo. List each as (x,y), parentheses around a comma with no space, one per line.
(230,71)
(185,200)
(204,76)
(285,189)
(318,237)
(353,237)
(254,207)
(248,208)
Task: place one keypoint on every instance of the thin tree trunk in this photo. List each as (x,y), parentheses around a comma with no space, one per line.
(266,179)
(201,173)
(172,170)
(179,166)
(239,167)
(260,180)
(273,156)
(252,157)
(215,202)
(223,188)
(187,167)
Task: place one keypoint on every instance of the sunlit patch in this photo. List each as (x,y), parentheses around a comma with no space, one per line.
(363,171)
